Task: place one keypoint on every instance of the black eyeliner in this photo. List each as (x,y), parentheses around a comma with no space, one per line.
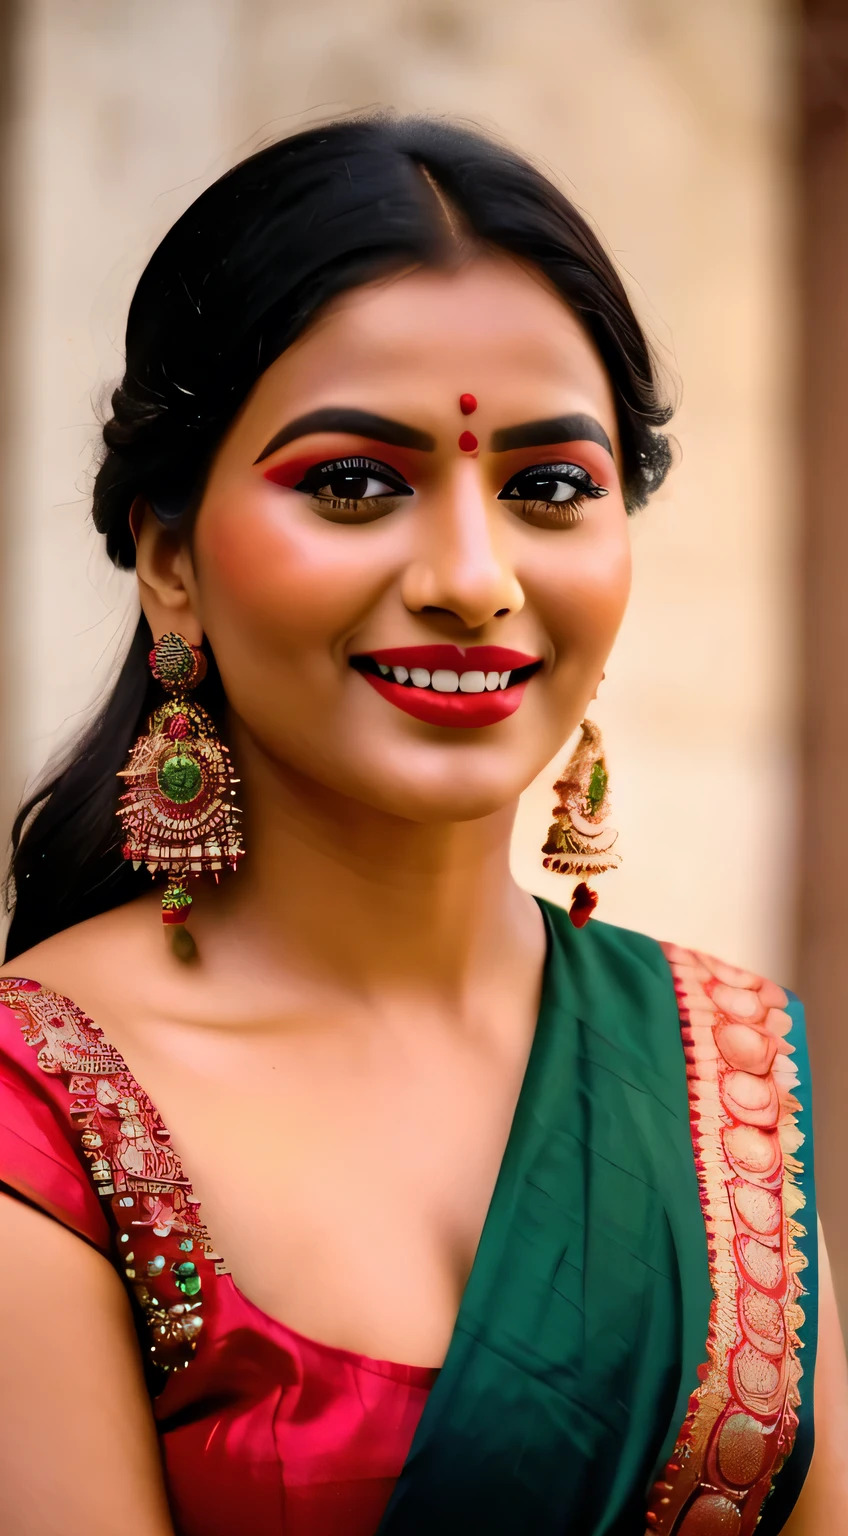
(574,474)
(318,473)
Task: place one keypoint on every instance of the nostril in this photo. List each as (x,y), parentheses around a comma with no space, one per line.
(501,613)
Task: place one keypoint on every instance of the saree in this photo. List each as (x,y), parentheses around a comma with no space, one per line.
(627,1353)
(625,1357)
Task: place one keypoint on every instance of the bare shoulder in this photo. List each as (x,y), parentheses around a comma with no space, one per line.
(97,963)
(121,971)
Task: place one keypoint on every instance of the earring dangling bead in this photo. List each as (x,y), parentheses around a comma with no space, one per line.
(583,903)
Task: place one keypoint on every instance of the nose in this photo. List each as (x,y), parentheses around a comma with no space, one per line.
(461,564)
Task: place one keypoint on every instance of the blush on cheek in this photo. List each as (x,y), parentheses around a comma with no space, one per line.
(582,594)
(245,542)
(232,558)
(278,577)
(601,598)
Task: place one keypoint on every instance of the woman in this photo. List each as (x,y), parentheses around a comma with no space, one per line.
(385,412)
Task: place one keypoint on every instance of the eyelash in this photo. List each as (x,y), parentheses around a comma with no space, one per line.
(563,513)
(321,476)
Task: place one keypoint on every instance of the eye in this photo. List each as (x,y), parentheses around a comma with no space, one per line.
(551,495)
(356,490)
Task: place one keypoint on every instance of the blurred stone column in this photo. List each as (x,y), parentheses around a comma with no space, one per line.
(8,758)
(823,411)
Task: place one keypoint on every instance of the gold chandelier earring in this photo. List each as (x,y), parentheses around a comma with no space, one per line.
(580,840)
(178,812)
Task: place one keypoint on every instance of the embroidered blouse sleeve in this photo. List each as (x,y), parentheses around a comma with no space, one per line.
(40,1155)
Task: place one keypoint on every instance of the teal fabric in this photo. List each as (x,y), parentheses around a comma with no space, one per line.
(585,1316)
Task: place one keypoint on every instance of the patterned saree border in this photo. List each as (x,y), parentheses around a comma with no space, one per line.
(162,1245)
(740,1423)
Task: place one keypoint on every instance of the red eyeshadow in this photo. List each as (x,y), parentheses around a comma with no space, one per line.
(291,471)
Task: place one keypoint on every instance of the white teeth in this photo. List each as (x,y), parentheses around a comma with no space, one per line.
(445,682)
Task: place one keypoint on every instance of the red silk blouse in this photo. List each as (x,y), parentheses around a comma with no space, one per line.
(262,1430)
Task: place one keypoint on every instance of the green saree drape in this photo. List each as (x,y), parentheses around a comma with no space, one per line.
(583,1331)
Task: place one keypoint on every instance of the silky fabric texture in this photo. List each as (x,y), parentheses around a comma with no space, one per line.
(585,1319)
(266,1431)
(278,1434)
(578,1339)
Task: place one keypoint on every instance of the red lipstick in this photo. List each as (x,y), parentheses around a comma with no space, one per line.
(450,685)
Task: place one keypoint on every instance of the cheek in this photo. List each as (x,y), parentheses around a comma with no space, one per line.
(583,589)
(270,569)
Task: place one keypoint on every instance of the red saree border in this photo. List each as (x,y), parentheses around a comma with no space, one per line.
(741,1422)
(162,1245)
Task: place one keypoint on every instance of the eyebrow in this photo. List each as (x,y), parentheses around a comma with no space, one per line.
(559,429)
(333,418)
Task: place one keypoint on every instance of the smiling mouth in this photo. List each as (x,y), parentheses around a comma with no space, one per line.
(448,685)
(447,679)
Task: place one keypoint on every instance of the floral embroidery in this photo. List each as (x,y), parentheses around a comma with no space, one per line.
(165,1251)
(741,1421)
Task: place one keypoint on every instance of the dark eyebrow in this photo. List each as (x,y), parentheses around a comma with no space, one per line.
(560,429)
(334,418)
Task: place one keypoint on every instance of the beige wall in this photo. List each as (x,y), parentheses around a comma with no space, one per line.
(667,122)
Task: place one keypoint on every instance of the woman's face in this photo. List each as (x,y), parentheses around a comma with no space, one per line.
(412,557)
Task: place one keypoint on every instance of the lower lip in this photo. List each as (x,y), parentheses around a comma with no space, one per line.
(465,710)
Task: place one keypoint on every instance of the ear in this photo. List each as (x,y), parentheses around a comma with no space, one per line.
(166,580)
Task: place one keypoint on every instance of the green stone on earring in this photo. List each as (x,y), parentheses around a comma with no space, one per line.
(597,787)
(180,778)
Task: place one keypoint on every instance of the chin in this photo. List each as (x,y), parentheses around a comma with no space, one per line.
(453,790)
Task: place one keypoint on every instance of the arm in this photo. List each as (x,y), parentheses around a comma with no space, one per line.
(78,1449)
(823,1504)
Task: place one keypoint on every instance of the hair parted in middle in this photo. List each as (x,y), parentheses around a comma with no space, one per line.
(236,280)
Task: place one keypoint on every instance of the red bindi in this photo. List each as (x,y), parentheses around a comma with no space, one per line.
(467,404)
(467,442)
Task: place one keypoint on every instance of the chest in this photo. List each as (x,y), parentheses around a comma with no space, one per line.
(345,1179)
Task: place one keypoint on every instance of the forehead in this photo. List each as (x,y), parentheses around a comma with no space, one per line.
(489,325)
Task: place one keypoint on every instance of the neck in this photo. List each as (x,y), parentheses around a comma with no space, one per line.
(333,889)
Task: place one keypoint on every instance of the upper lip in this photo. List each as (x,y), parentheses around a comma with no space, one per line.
(452,658)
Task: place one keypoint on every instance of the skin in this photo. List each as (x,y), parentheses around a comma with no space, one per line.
(349,1046)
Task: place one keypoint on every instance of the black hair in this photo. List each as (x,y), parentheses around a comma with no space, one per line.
(233,283)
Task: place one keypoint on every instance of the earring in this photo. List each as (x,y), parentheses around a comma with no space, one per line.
(178,813)
(580,840)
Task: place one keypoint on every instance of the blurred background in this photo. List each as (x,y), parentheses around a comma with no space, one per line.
(708,143)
